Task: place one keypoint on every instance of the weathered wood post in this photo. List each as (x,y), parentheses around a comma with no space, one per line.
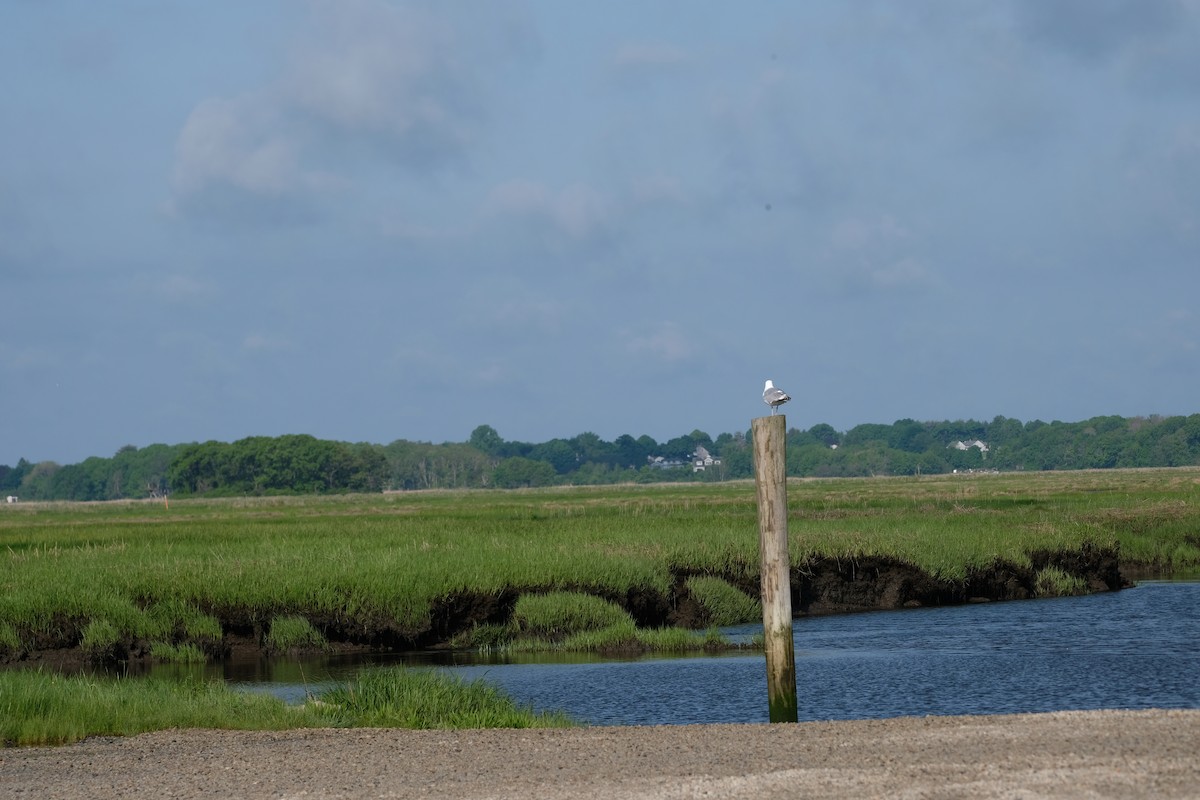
(770,478)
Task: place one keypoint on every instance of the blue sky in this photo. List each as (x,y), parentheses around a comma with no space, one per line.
(369,220)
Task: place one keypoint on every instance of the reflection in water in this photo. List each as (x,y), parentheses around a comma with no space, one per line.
(1132,649)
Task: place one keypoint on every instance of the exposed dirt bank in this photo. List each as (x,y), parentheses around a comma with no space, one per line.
(819,586)
(1125,754)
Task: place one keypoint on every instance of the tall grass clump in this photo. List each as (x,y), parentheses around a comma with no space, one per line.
(626,637)
(724,603)
(177,619)
(294,633)
(1055,582)
(101,640)
(407,698)
(558,614)
(186,653)
(10,641)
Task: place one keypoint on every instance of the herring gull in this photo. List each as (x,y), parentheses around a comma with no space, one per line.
(774,397)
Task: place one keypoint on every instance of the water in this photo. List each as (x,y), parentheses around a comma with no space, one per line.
(1138,648)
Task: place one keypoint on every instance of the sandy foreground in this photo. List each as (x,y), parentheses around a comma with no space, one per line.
(1125,754)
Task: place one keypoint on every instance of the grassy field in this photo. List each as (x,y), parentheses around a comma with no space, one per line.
(293,570)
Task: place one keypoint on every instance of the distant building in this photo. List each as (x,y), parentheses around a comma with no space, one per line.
(12,498)
(701,460)
(983,448)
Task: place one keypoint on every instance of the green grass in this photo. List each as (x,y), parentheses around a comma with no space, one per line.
(557,614)
(10,642)
(398,698)
(177,653)
(724,603)
(100,640)
(40,708)
(625,637)
(1054,582)
(293,632)
(389,562)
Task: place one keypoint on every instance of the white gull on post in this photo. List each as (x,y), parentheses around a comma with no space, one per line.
(774,397)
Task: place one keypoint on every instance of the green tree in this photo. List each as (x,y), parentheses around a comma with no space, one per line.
(486,439)
(36,483)
(519,472)
(867,432)
(825,434)
(11,477)
(909,435)
(558,453)
(631,452)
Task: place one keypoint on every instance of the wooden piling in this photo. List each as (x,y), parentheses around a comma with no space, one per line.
(770,478)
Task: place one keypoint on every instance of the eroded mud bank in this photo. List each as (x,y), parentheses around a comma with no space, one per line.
(820,586)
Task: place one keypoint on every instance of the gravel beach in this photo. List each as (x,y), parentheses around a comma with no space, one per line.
(1126,754)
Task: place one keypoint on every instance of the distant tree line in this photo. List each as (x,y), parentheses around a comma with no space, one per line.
(302,464)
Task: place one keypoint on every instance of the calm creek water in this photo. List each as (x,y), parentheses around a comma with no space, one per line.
(1138,648)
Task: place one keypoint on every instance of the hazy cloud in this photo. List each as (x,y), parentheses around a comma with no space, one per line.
(576,211)
(392,77)
(236,142)
(390,73)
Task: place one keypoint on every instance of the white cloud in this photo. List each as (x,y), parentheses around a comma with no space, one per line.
(373,69)
(578,211)
(232,141)
(876,254)
(362,72)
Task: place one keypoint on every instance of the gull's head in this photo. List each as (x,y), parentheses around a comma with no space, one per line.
(769,385)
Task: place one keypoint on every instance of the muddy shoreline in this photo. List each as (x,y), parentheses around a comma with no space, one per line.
(820,586)
(1073,754)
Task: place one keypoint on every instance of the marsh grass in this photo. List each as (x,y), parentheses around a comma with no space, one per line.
(100,640)
(177,653)
(625,637)
(10,641)
(39,708)
(386,561)
(46,708)
(294,632)
(1055,582)
(399,698)
(557,614)
(725,604)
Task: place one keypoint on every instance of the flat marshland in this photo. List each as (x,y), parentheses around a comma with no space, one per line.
(422,567)
(581,567)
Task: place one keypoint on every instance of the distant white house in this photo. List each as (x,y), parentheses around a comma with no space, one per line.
(702,460)
(983,448)
(12,498)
